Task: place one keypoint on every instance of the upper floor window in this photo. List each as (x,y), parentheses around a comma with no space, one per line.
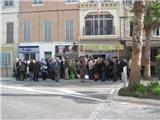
(71,1)
(131,28)
(36,2)
(47,30)
(10,32)
(8,3)
(128,2)
(99,24)
(26,31)
(69,30)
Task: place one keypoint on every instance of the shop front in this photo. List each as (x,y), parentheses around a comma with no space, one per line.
(29,52)
(100,50)
(67,51)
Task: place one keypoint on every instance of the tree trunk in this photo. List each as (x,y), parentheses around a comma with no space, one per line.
(147,52)
(135,74)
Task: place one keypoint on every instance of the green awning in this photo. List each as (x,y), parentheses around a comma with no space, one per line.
(108,47)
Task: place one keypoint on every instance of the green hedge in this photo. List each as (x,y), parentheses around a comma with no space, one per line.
(151,91)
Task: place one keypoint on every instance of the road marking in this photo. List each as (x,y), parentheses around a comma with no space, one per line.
(63,92)
(112,91)
(70,91)
(95,112)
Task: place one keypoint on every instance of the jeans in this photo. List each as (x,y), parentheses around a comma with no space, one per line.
(91,74)
(32,75)
(103,76)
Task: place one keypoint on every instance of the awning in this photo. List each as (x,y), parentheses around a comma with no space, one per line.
(109,47)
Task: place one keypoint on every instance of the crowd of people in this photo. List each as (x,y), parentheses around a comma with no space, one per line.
(61,68)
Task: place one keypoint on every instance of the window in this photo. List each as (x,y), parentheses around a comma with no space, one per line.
(27,31)
(131,28)
(99,24)
(158,32)
(5,59)
(154,53)
(48,54)
(10,32)
(8,3)
(129,2)
(69,30)
(47,31)
(71,1)
(37,2)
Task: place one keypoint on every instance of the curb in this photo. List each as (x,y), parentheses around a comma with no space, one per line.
(137,100)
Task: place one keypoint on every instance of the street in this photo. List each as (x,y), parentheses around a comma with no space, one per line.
(68,99)
(51,100)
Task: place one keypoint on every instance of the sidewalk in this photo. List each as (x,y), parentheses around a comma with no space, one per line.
(137,100)
(127,108)
(125,111)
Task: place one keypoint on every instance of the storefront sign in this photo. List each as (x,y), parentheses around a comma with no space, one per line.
(102,47)
(28,49)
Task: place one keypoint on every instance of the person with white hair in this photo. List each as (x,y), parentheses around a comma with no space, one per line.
(43,69)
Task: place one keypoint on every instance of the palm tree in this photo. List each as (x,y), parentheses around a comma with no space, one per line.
(151,22)
(137,43)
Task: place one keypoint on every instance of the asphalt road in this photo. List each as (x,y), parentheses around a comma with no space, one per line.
(52,100)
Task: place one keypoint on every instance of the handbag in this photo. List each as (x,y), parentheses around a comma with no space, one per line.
(86,77)
(96,76)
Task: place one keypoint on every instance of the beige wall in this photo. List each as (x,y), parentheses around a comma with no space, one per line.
(56,11)
(26,6)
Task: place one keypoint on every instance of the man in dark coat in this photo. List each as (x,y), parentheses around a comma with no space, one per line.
(31,65)
(36,69)
(102,70)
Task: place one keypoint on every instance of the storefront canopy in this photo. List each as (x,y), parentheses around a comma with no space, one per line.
(109,47)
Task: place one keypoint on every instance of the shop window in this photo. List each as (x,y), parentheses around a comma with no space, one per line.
(10,32)
(158,32)
(5,59)
(154,53)
(99,24)
(30,56)
(48,54)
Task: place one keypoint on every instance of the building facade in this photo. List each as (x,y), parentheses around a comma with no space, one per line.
(36,29)
(47,27)
(100,28)
(9,24)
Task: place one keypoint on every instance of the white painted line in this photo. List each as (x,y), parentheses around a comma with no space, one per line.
(31,89)
(112,91)
(70,91)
